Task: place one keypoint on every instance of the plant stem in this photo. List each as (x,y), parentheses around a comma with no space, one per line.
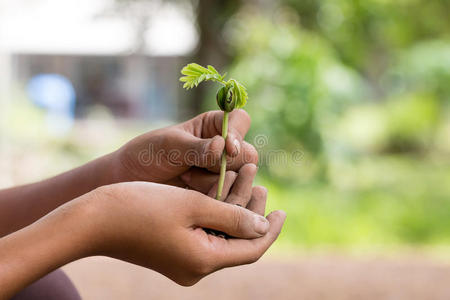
(223,165)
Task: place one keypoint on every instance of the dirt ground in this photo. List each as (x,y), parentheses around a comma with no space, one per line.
(324,277)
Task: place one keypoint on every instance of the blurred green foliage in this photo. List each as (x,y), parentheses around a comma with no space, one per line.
(378,202)
(359,88)
(303,85)
(362,89)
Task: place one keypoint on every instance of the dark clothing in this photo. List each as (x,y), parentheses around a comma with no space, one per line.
(54,286)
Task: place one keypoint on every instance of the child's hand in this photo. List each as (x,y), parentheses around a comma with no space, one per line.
(153,225)
(164,155)
(160,227)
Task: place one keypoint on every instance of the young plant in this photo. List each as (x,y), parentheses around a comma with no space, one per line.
(231,95)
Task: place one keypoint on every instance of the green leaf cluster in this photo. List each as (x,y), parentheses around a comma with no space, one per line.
(240,92)
(194,74)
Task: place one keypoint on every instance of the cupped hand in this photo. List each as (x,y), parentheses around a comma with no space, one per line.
(164,155)
(161,227)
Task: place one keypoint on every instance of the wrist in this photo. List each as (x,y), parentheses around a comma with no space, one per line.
(109,169)
(124,165)
(60,237)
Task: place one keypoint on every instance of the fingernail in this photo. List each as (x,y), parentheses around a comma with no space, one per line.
(186,177)
(261,224)
(237,147)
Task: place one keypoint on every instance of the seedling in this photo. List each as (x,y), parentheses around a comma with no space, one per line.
(231,95)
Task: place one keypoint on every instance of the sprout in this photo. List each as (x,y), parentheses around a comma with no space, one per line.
(231,95)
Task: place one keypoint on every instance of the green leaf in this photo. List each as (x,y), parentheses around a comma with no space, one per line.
(241,93)
(212,69)
(196,74)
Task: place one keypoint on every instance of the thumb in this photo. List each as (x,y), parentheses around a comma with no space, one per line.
(234,220)
(198,152)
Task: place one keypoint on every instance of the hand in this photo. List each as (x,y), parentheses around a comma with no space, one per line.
(160,227)
(163,155)
(152,225)
(184,155)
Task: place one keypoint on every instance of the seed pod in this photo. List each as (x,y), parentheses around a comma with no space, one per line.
(226,100)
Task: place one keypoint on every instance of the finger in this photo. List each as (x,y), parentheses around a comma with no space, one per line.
(199,179)
(242,188)
(258,200)
(233,144)
(177,182)
(198,152)
(211,125)
(231,219)
(206,182)
(234,252)
(238,125)
(230,177)
(247,155)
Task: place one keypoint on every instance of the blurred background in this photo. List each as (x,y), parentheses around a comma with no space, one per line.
(350,107)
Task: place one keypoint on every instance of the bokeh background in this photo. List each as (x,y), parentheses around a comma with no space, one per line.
(350,107)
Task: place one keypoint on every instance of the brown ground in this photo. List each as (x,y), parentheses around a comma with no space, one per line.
(315,278)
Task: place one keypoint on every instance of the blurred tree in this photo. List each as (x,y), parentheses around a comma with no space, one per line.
(212,16)
(306,62)
(283,68)
(367,34)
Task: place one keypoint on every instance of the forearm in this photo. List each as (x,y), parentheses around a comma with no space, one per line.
(21,206)
(55,240)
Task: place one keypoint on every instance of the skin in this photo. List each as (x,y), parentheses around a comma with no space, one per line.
(152,225)
(197,142)
(156,225)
